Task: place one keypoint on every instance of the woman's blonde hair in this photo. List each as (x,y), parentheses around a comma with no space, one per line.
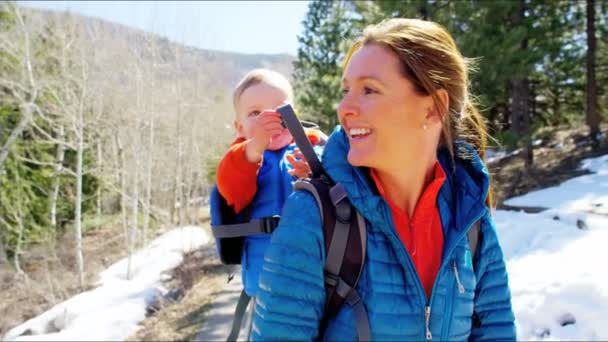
(257,76)
(431,61)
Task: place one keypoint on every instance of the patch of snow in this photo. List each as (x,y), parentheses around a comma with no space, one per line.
(112,311)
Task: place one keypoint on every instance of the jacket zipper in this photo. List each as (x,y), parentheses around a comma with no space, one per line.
(427,304)
(455,268)
(412,270)
(427,311)
(427,319)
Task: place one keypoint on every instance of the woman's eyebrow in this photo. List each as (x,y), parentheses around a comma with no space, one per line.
(364,78)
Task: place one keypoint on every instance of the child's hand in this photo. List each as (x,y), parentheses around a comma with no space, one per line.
(301,169)
(261,128)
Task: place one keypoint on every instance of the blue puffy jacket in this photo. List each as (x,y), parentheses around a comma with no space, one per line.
(292,296)
(274,184)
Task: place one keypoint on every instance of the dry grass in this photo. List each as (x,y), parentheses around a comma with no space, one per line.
(552,164)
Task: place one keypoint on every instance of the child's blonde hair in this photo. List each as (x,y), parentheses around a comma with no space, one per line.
(257,76)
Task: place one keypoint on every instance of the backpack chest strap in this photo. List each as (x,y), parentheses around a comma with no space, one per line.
(264,225)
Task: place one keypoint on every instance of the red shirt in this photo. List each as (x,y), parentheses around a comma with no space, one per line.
(422,235)
(237,177)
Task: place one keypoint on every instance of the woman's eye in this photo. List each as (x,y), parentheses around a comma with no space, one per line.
(254,113)
(368,90)
(344,91)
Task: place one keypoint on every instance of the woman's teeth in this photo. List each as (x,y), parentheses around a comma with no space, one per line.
(359,132)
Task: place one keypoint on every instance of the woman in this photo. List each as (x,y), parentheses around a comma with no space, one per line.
(410,154)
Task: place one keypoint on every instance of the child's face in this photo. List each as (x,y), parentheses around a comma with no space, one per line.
(252,102)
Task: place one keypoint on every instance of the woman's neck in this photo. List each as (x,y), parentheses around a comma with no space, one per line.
(404,185)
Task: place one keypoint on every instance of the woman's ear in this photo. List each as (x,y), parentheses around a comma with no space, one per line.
(435,114)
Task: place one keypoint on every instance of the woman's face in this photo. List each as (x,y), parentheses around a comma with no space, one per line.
(387,122)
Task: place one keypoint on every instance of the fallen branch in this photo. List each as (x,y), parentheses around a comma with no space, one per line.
(526,209)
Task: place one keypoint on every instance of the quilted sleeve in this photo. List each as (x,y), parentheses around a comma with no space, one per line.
(292,295)
(493,318)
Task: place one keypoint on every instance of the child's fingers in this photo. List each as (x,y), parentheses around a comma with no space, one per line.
(269,115)
(292,161)
(299,173)
(303,166)
(271,129)
(300,168)
(298,154)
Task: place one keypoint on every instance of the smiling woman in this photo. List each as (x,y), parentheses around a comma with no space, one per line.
(410,156)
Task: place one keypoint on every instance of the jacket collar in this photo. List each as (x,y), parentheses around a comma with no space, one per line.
(461,199)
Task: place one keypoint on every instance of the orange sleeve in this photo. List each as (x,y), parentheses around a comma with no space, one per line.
(315,136)
(237,177)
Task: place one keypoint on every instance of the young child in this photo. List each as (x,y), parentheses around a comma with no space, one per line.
(258,170)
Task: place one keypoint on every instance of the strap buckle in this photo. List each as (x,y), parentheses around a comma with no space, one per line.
(331,279)
(269,224)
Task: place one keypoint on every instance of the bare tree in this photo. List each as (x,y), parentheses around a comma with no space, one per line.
(18,217)
(148,186)
(24,87)
(57,171)
(71,103)
(119,152)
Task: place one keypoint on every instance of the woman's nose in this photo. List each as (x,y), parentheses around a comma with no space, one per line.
(345,107)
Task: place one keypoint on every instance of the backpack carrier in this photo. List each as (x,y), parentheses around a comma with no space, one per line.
(344,233)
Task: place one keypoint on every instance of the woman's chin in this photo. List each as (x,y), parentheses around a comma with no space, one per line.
(356,158)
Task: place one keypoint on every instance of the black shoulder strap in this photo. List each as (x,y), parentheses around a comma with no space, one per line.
(343,230)
(290,120)
(345,246)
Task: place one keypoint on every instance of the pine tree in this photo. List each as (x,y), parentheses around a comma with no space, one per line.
(317,71)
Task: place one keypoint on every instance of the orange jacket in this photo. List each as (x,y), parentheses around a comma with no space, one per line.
(422,235)
(237,177)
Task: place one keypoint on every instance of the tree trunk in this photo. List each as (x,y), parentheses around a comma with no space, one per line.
(26,107)
(19,218)
(520,99)
(424,10)
(19,237)
(592,115)
(3,255)
(134,218)
(148,194)
(178,203)
(519,105)
(59,156)
(26,112)
(78,200)
(100,171)
(556,105)
(123,188)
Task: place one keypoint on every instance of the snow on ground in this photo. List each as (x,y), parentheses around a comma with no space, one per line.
(555,258)
(493,155)
(112,311)
(575,195)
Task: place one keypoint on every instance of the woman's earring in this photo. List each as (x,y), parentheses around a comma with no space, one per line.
(425,127)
